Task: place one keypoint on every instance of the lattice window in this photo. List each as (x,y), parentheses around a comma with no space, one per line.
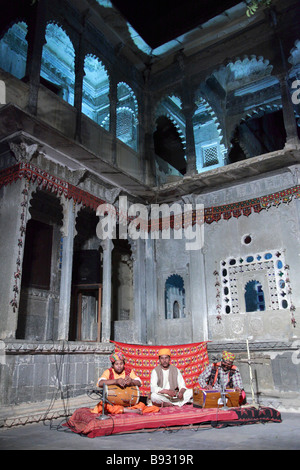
(210,156)
(125,125)
(127,115)
(233,272)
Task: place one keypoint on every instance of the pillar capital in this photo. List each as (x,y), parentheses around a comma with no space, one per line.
(23,152)
(107,245)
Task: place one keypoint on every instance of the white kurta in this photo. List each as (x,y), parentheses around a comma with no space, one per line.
(158,398)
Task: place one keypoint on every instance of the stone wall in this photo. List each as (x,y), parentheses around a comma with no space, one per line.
(274,234)
(273,336)
(34,377)
(275,371)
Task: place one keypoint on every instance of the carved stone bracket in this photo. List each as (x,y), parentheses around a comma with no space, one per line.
(66,213)
(24,152)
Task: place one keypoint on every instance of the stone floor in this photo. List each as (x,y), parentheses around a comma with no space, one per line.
(51,435)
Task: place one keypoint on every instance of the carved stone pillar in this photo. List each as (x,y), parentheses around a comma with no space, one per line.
(78,86)
(281,72)
(13,219)
(288,111)
(149,299)
(113,100)
(14,215)
(107,246)
(36,41)
(139,290)
(188,112)
(146,141)
(68,232)
(198,296)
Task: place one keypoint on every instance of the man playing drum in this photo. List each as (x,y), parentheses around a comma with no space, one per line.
(122,377)
(119,374)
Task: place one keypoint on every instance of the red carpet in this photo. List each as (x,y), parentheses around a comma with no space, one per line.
(83,421)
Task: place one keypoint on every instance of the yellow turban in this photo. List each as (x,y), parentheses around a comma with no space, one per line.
(228,356)
(164,352)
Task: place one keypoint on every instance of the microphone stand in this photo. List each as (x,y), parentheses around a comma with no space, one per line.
(254,404)
(104,394)
(223,395)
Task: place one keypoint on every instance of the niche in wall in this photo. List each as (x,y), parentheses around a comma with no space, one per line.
(254,296)
(39,295)
(37,255)
(174,297)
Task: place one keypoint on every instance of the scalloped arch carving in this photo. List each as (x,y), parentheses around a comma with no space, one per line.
(132,94)
(160,110)
(201,101)
(241,71)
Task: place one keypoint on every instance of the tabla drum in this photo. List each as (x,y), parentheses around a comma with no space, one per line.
(127,396)
(213,398)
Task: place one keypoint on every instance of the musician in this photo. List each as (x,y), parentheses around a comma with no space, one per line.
(122,375)
(223,374)
(167,384)
(119,374)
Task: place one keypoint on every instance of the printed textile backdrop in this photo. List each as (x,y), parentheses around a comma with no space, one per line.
(191,360)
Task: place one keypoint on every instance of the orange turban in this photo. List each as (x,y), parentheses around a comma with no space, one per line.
(228,356)
(164,352)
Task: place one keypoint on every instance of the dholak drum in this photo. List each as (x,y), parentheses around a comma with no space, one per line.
(213,399)
(128,396)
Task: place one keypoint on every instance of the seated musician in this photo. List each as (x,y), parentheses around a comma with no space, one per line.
(119,374)
(223,373)
(167,384)
(123,376)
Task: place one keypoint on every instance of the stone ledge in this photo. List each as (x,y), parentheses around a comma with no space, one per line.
(15,415)
(238,346)
(288,402)
(55,347)
(232,174)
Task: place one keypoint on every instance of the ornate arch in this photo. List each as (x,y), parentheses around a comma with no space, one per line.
(68,31)
(172,276)
(92,80)
(260,66)
(15,38)
(8,26)
(257,111)
(260,110)
(160,111)
(200,100)
(96,57)
(132,94)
